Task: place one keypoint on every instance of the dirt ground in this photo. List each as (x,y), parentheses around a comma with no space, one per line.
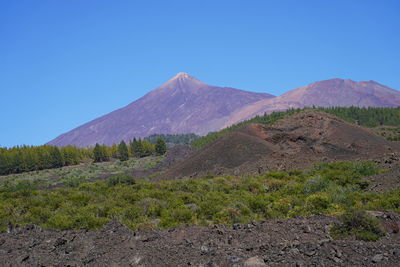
(301,241)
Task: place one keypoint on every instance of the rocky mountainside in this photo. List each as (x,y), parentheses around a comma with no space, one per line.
(181,105)
(328,93)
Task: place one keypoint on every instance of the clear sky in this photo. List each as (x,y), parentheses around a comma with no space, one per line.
(66,62)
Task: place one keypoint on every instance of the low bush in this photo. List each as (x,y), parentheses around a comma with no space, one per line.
(318,202)
(21,185)
(74,181)
(358,223)
(121,179)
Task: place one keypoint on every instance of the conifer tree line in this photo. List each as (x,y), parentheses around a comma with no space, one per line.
(367,116)
(173,139)
(30,158)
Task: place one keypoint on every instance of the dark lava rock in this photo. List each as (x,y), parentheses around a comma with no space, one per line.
(271,243)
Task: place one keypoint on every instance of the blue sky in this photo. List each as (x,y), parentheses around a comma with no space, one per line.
(66,62)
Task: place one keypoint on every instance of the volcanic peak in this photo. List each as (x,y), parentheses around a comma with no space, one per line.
(182,76)
(183,79)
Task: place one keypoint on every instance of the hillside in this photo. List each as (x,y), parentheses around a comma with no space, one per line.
(369,117)
(292,142)
(181,105)
(327,93)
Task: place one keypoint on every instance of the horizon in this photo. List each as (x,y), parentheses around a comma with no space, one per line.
(66,63)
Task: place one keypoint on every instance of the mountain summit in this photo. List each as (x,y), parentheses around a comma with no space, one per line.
(183,82)
(181,105)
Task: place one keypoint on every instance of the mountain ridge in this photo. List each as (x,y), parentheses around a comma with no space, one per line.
(325,93)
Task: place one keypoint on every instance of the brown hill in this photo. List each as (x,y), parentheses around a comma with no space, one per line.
(293,142)
(181,105)
(328,93)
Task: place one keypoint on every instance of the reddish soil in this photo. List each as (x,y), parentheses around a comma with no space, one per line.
(291,143)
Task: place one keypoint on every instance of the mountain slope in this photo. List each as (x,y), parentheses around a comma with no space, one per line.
(181,105)
(328,93)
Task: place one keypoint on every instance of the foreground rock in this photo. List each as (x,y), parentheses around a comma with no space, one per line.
(291,242)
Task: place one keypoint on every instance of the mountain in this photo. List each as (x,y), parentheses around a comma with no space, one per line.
(328,93)
(181,105)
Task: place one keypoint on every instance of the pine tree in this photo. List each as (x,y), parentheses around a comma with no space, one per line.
(148,148)
(161,147)
(123,151)
(105,153)
(132,145)
(98,153)
(114,151)
(55,157)
(137,148)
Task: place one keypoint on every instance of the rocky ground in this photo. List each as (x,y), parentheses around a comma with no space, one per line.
(291,242)
(389,179)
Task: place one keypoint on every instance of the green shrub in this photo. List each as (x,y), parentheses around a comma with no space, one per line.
(39,215)
(151,207)
(258,203)
(60,221)
(275,184)
(358,223)
(316,184)
(277,174)
(176,216)
(282,206)
(317,202)
(22,185)
(227,216)
(74,181)
(121,179)
(132,213)
(365,168)
(346,173)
